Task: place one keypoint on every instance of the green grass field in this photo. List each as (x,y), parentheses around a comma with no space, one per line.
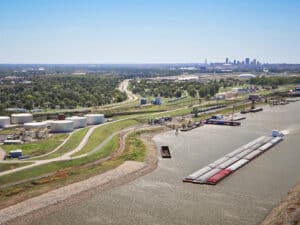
(38,147)
(135,148)
(60,165)
(74,170)
(10,166)
(101,133)
(71,144)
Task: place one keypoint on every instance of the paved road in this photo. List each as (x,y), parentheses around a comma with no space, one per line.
(123,87)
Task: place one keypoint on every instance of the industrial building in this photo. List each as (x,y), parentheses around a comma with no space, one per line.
(143,101)
(157,101)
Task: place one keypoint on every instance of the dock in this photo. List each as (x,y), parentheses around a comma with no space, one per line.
(221,168)
(222,122)
(192,126)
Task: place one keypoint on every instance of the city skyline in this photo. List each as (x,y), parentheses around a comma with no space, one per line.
(139,32)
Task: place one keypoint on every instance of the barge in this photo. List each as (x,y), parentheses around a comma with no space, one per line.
(165,152)
(256,110)
(221,168)
(222,122)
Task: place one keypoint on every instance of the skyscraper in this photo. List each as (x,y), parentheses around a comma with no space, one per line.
(247,61)
(226,60)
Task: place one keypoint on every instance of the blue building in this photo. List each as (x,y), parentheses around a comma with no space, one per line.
(157,101)
(143,101)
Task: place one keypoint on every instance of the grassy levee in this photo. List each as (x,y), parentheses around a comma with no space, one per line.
(101,133)
(10,166)
(60,165)
(38,147)
(70,144)
(135,149)
(67,172)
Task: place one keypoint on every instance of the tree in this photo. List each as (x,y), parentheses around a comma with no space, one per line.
(195,111)
(192,91)
(178,93)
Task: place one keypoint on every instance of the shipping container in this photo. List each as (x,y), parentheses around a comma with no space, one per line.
(219,176)
(252,155)
(196,174)
(228,162)
(203,179)
(238,164)
(217,162)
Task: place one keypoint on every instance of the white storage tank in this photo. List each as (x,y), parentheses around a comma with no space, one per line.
(62,126)
(93,119)
(35,125)
(48,122)
(21,118)
(4,121)
(79,121)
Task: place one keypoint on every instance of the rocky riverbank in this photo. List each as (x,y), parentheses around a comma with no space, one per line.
(288,211)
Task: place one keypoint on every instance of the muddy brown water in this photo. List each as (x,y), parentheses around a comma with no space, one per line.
(161,198)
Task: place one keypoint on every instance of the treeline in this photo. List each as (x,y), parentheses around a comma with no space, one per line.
(172,89)
(62,91)
(275,80)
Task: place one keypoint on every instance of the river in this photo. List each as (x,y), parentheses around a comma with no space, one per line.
(161,198)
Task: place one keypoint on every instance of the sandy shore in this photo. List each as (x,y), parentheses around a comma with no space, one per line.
(287,212)
(24,212)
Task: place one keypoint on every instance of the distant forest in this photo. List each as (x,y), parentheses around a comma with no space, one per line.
(171,89)
(275,80)
(63,91)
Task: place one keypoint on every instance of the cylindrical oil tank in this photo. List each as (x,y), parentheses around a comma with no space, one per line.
(21,118)
(79,121)
(48,122)
(4,121)
(93,119)
(62,126)
(35,125)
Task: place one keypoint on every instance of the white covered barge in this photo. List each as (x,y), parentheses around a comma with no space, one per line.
(219,169)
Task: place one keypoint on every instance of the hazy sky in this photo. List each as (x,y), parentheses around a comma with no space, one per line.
(148,31)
